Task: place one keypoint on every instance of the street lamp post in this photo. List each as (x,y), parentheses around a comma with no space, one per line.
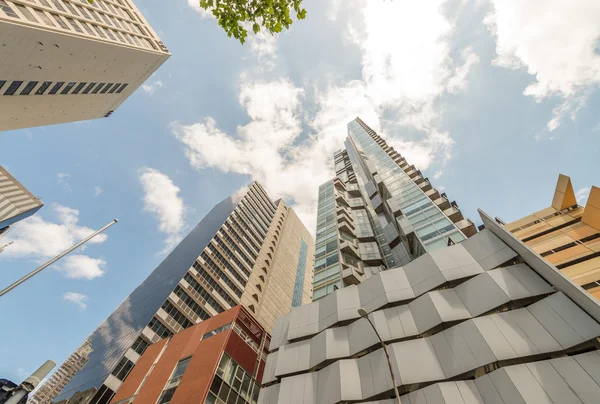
(363,313)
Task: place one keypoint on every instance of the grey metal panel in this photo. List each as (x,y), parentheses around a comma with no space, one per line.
(481,294)
(497,342)
(371,291)
(445,355)
(488,390)
(528,386)
(329,384)
(505,387)
(547,378)
(374,374)
(469,392)
(590,362)
(405,319)
(280,332)
(448,305)
(468,346)
(396,286)
(318,348)
(577,319)
(578,379)
(379,320)
(269,395)
(348,303)
(337,343)
(420,351)
(509,284)
(532,330)
(455,262)
(350,380)
(515,336)
(269,372)
(361,336)
(530,279)
(433,395)
(424,312)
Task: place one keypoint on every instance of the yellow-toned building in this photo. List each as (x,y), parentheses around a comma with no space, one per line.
(566,234)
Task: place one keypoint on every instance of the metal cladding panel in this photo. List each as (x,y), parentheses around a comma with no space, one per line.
(578,379)
(420,351)
(590,362)
(424,312)
(280,332)
(506,388)
(269,374)
(112,338)
(481,294)
(448,305)
(543,376)
(374,374)
(511,287)
(269,395)
(529,279)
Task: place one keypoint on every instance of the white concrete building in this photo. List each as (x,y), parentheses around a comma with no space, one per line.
(68,60)
(485,321)
(16,202)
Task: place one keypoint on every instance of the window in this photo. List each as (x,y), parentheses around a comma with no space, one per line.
(105,89)
(58,5)
(232,384)
(98,87)
(112,90)
(140,345)
(2,83)
(56,87)
(216,331)
(29,87)
(123,368)
(122,88)
(60,21)
(26,13)
(45,3)
(110,34)
(14,86)
(88,88)
(71,8)
(74,24)
(44,17)
(68,88)
(173,382)
(78,88)
(87,28)
(42,89)
(99,31)
(83,12)
(7,10)
(158,328)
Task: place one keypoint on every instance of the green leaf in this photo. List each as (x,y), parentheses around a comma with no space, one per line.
(302,14)
(90,1)
(255,28)
(203,4)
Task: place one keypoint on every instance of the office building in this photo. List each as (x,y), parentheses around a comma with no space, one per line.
(69,60)
(74,363)
(247,250)
(483,321)
(16,202)
(220,360)
(566,234)
(378,212)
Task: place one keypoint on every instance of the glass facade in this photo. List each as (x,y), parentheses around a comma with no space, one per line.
(377,213)
(300,272)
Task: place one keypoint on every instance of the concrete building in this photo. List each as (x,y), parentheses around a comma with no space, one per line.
(247,250)
(378,212)
(74,363)
(483,321)
(16,202)
(220,360)
(566,234)
(67,60)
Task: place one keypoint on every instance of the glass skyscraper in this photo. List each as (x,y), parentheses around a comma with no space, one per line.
(378,212)
(247,250)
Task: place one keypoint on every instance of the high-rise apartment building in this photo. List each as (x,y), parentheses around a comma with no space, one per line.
(220,360)
(247,250)
(378,212)
(69,60)
(566,234)
(484,321)
(16,202)
(74,363)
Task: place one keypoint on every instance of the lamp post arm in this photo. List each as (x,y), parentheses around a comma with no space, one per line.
(387,355)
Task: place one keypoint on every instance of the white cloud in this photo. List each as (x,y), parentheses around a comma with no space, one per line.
(97,191)
(161,199)
(151,88)
(406,66)
(195,5)
(556,42)
(40,239)
(62,179)
(582,194)
(77,299)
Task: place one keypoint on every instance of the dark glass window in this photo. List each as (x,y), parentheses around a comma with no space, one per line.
(14,86)
(98,87)
(68,87)
(60,21)
(122,88)
(29,87)
(58,5)
(74,24)
(106,87)
(2,83)
(123,369)
(112,90)
(166,396)
(88,88)
(42,89)
(140,346)
(6,8)
(78,88)
(56,87)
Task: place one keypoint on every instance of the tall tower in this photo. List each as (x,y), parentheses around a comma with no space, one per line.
(16,202)
(247,250)
(67,60)
(64,374)
(378,212)
(566,234)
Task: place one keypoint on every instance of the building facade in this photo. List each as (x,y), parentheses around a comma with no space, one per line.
(16,202)
(220,360)
(74,363)
(483,321)
(247,250)
(566,234)
(67,60)
(378,212)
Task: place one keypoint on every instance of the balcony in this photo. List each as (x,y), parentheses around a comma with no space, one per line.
(433,194)
(454,214)
(353,189)
(356,203)
(342,210)
(339,184)
(350,248)
(340,197)
(347,227)
(419,180)
(442,202)
(351,275)
(425,185)
(467,227)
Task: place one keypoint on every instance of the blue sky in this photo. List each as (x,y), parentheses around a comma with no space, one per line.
(491,99)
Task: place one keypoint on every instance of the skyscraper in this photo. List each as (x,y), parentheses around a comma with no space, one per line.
(247,250)
(74,363)
(566,234)
(484,321)
(67,60)
(378,212)
(16,202)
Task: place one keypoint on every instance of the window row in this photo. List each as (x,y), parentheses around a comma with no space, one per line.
(191,303)
(90,27)
(223,261)
(159,329)
(227,249)
(232,384)
(176,315)
(203,293)
(41,87)
(218,273)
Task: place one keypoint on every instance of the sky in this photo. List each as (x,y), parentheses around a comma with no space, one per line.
(491,99)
